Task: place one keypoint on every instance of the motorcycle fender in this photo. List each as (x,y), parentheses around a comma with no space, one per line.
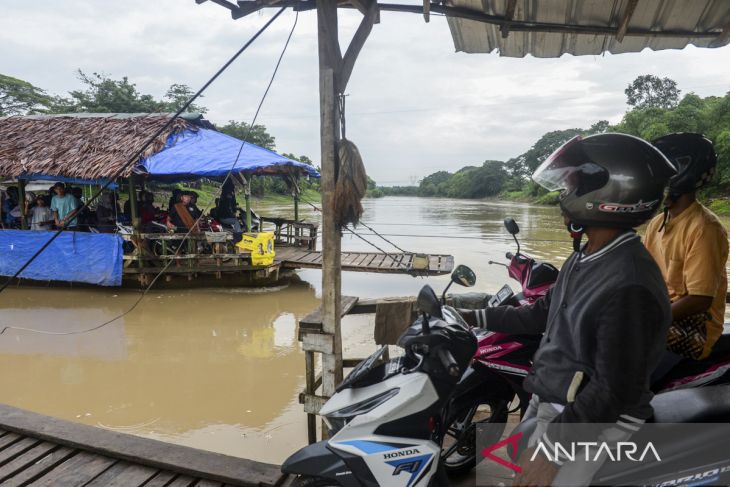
(316,460)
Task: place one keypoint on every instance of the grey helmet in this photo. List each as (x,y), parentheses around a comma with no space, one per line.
(608,180)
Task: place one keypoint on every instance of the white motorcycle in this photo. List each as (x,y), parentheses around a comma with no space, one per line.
(387,419)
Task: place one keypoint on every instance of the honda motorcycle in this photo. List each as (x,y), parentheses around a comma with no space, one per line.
(502,361)
(386,420)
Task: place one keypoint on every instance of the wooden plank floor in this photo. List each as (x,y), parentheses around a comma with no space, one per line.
(37,450)
(391,263)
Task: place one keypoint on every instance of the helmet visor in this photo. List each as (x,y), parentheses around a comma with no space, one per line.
(570,169)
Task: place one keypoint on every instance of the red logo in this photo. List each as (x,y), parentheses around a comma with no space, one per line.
(513,440)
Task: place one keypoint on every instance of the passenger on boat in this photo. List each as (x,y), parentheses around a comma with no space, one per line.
(10,208)
(184,214)
(106,214)
(226,207)
(84,215)
(40,215)
(147,211)
(690,245)
(64,207)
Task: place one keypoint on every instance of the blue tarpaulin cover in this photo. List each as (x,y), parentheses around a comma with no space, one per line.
(94,258)
(208,153)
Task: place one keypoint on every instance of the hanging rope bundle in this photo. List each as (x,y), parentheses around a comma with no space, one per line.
(352,181)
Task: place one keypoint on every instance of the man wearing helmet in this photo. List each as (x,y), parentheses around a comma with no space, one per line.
(605,321)
(690,245)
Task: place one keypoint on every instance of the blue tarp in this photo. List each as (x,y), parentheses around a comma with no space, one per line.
(208,153)
(94,258)
(46,177)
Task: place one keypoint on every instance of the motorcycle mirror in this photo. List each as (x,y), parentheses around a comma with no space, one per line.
(428,302)
(463,276)
(511,225)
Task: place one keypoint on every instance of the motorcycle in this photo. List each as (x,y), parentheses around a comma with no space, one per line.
(502,361)
(386,419)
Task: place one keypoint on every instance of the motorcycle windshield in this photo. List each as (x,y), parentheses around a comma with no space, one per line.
(362,369)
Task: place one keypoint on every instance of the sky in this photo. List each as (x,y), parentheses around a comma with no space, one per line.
(414,106)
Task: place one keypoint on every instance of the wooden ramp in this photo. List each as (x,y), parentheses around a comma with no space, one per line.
(392,263)
(37,450)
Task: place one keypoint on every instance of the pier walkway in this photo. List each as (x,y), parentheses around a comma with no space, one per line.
(37,450)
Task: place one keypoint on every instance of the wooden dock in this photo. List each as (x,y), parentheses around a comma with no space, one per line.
(390,263)
(37,450)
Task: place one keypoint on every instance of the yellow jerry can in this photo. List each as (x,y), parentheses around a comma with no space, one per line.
(261,246)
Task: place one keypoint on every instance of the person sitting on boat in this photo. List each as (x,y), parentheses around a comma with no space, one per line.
(184,214)
(11,208)
(40,215)
(106,214)
(605,321)
(64,207)
(690,246)
(147,211)
(226,207)
(84,215)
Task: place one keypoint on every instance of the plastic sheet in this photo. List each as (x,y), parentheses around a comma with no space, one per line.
(93,258)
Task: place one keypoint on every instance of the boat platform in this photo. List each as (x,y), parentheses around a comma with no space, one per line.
(38,450)
(390,263)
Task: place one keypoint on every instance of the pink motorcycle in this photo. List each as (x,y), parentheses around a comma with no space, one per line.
(485,394)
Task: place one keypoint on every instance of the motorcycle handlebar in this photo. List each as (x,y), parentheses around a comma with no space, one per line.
(448,361)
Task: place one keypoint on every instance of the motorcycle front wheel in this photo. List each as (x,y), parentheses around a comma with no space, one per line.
(459,448)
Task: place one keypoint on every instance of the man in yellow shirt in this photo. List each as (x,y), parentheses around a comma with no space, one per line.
(690,246)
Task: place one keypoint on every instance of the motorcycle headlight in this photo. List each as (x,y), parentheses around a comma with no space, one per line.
(364,406)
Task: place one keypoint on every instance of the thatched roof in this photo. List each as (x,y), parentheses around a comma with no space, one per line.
(81,145)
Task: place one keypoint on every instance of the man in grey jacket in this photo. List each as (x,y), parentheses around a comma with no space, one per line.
(605,320)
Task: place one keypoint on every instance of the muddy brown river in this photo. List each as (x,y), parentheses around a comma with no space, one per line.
(220,369)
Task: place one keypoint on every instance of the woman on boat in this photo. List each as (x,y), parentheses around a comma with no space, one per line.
(184,215)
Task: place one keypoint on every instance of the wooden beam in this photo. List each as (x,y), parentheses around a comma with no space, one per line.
(623,26)
(509,14)
(723,37)
(427,10)
(329,63)
(356,45)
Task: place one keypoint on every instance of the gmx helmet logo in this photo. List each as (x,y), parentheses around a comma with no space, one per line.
(415,466)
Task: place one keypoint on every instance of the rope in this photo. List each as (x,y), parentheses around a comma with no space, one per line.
(185,237)
(149,141)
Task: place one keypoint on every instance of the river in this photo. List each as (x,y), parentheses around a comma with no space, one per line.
(220,369)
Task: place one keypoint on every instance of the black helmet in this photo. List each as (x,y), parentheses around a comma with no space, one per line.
(693,156)
(608,180)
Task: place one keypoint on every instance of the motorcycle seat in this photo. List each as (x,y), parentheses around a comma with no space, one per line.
(702,405)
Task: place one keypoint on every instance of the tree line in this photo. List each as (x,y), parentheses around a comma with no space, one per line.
(99,93)
(655,109)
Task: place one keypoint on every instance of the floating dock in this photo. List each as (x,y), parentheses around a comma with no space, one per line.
(390,263)
(37,450)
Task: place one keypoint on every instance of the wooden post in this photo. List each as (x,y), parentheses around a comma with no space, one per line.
(21,204)
(329,63)
(247,198)
(133,214)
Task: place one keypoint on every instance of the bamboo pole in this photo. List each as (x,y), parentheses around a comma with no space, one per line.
(247,199)
(22,205)
(133,213)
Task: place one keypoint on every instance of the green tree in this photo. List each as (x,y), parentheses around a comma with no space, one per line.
(18,97)
(102,94)
(176,97)
(256,135)
(649,91)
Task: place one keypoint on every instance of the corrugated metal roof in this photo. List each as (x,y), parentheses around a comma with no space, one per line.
(548,28)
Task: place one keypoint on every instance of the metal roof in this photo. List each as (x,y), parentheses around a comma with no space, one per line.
(550,28)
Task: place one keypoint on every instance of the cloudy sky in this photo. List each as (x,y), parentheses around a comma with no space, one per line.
(414,106)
